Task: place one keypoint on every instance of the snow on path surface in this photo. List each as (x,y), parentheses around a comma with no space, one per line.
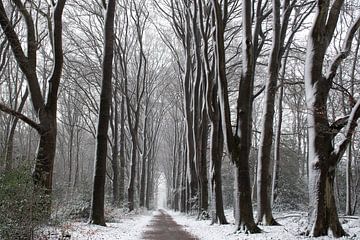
(163,227)
(292,225)
(134,226)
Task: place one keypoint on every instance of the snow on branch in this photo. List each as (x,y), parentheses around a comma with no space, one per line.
(338,125)
(345,51)
(349,130)
(21,116)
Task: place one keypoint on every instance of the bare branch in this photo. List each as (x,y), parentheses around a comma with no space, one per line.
(21,116)
(349,130)
(345,51)
(58,56)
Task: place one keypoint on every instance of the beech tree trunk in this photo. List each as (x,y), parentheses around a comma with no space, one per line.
(97,202)
(190,141)
(216,155)
(115,151)
(264,211)
(149,183)
(204,194)
(238,143)
(131,188)
(122,152)
(323,155)
(145,158)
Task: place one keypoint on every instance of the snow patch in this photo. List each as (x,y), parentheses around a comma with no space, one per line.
(293,224)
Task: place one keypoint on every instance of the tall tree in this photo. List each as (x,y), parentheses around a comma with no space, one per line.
(45,107)
(323,155)
(238,142)
(97,202)
(134,97)
(279,29)
(114,123)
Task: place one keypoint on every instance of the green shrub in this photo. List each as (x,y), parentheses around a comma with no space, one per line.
(20,216)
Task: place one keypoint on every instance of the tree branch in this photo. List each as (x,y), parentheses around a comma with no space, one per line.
(349,130)
(338,125)
(27,64)
(54,80)
(21,116)
(345,51)
(332,19)
(31,39)
(12,38)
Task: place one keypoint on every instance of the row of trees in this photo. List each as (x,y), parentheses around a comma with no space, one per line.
(177,87)
(129,113)
(207,33)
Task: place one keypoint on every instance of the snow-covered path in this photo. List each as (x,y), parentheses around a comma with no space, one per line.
(163,224)
(163,227)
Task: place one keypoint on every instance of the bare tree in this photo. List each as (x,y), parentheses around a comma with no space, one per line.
(323,155)
(97,202)
(44,106)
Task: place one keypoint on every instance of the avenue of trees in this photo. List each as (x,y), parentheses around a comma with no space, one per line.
(248,104)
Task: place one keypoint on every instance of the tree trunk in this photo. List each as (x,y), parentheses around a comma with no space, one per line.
(131,188)
(115,151)
(238,143)
(174,167)
(144,160)
(178,184)
(216,155)
(77,167)
(97,203)
(122,152)
(202,175)
(276,167)
(322,159)
(348,210)
(148,183)
(264,212)
(244,219)
(10,138)
(323,212)
(45,109)
(183,180)
(42,173)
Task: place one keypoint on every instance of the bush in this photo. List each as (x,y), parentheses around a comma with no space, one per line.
(20,215)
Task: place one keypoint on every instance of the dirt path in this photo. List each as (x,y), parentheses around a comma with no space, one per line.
(163,227)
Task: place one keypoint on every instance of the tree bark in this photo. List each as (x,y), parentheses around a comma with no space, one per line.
(204,194)
(145,158)
(264,212)
(149,183)
(190,141)
(216,155)
(115,151)
(122,152)
(97,202)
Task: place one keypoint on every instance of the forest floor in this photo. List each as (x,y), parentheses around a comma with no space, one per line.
(161,224)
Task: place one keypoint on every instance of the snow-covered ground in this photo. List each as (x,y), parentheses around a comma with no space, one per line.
(131,227)
(120,226)
(293,223)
